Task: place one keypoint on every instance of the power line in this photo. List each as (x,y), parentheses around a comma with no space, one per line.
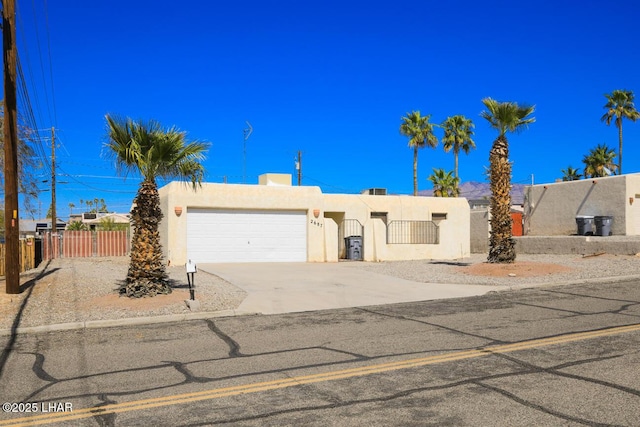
(90,186)
(37,34)
(53,92)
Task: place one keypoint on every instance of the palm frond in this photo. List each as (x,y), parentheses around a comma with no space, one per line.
(507,116)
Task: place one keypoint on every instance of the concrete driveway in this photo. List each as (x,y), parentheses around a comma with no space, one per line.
(294,287)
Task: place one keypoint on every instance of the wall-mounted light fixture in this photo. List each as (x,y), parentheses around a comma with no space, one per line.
(178,210)
(630,200)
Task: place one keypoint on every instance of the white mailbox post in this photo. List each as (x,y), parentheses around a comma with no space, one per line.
(191,270)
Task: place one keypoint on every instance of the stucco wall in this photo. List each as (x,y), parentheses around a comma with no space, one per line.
(454,231)
(632,203)
(331,240)
(173,228)
(551,209)
(322,233)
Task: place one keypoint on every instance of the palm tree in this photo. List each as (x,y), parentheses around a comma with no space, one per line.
(570,174)
(599,162)
(444,183)
(504,117)
(153,152)
(620,105)
(420,133)
(77,226)
(458,131)
(71,206)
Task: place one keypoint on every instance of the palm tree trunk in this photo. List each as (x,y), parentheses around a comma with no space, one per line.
(415,171)
(620,149)
(147,275)
(501,243)
(455,162)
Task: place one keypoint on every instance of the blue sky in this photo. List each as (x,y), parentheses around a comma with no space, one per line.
(330,78)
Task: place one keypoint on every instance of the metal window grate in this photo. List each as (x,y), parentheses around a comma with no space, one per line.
(413,232)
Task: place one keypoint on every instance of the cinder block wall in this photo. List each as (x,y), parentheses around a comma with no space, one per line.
(551,209)
(479,231)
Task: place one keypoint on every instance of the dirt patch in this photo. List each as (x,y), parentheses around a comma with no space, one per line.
(518,268)
(115,301)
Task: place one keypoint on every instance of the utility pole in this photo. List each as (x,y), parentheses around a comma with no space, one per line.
(11,223)
(299,168)
(54,219)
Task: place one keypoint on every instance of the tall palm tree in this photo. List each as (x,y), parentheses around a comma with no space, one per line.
(620,105)
(444,183)
(458,131)
(570,174)
(420,133)
(153,152)
(504,117)
(599,162)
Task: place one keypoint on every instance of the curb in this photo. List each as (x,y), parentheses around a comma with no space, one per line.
(127,321)
(148,320)
(601,280)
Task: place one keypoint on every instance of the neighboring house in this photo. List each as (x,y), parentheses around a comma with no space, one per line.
(551,209)
(117,218)
(37,227)
(479,195)
(92,219)
(275,221)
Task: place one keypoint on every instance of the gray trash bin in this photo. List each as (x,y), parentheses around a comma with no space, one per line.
(354,247)
(603,225)
(586,225)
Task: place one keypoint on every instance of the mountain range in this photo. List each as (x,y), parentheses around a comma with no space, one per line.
(474,190)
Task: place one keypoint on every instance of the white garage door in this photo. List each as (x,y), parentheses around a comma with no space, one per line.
(246,236)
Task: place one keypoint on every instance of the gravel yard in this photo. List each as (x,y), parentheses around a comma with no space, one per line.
(84,289)
(528,269)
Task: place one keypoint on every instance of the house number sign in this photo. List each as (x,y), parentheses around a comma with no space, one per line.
(316,223)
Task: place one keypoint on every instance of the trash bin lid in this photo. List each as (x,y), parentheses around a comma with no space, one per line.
(585,216)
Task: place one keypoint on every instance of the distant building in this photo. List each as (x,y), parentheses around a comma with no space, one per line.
(37,227)
(117,218)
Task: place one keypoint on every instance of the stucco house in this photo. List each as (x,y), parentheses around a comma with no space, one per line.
(276,222)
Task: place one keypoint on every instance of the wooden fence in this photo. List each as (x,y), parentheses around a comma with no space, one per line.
(82,244)
(27,255)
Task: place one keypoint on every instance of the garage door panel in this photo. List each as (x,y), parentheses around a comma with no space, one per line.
(246,236)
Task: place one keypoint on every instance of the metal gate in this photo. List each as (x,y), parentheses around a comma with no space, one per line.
(348,228)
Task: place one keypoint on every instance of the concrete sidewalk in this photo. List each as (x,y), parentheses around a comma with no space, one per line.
(294,287)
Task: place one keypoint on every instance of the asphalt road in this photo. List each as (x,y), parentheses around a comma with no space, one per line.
(564,356)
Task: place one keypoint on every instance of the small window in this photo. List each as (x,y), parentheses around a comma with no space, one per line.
(381,215)
(438,216)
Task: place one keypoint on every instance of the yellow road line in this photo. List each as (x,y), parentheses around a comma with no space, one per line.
(309,379)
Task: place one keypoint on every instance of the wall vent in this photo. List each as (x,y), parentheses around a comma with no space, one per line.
(375,191)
